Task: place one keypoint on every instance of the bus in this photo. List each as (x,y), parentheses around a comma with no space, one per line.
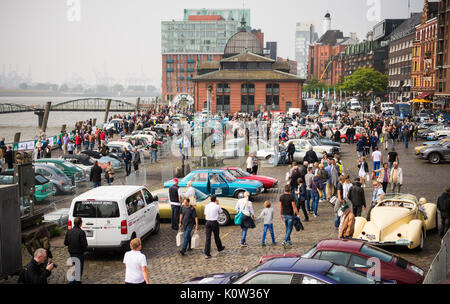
(403,109)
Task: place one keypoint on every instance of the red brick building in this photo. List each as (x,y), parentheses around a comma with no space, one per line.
(442,95)
(247,82)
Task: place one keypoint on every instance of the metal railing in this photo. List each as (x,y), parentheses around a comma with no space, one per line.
(440,267)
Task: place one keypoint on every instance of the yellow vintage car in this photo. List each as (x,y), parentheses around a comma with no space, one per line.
(430,143)
(228,206)
(399,219)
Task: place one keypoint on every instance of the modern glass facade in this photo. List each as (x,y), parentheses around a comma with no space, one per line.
(304,37)
(226,14)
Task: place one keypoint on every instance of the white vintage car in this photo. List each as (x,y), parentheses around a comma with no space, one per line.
(299,154)
(305,144)
(399,219)
(438,134)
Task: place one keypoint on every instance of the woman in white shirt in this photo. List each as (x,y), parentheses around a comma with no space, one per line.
(249,164)
(136,264)
(248,215)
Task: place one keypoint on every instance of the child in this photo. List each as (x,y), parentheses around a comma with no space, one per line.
(267,213)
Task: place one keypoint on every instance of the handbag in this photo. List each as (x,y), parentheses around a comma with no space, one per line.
(179,238)
(333,200)
(238,218)
(298,224)
(195,241)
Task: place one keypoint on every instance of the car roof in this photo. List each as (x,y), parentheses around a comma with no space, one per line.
(297,265)
(345,245)
(108,192)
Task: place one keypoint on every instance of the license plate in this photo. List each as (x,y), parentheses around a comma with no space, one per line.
(370,236)
(402,242)
(89,233)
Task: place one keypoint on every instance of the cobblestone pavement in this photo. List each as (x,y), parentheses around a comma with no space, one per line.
(167,266)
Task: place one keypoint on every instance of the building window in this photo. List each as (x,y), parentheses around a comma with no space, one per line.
(247,103)
(223,103)
(273,102)
(248,88)
(288,105)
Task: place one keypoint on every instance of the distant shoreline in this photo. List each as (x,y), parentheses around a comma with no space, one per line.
(39,93)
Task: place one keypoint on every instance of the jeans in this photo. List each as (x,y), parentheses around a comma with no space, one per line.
(154,157)
(86,146)
(187,238)
(92,144)
(337,221)
(128,168)
(110,180)
(393,143)
(175,216)
(270,228)
(283,159)
(376,166)
(315,203)
(97,184)
(289,223)
(212,227)
(406,142)
(244,235)
(308,198)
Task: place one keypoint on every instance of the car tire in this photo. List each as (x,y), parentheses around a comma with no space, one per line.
(343,140)
(434,158)
(157,225)
(268,157)
(224,218)
(237,194)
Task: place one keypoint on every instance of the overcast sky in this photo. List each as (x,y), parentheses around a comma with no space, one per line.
(123,37)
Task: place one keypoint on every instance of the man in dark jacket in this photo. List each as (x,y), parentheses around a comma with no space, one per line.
(96,175)
(127,157)
(311,156)
(337,136)
(356,196)
(34,273)
(443,204)
(9,157)
(291,151)
(77,244)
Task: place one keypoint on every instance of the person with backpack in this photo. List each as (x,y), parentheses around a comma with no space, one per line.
(35,272)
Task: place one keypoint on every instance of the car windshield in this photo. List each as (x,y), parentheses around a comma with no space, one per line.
(242,172)
(230,178)
(200,196)
(310,252)
(346,275)
(314,142)
(401,204)
(40,180)
(377,253)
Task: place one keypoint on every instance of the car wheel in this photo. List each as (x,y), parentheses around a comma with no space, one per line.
(157,226)
(238,194)
(434,158)
(343,140)
(224,218)
(268,157)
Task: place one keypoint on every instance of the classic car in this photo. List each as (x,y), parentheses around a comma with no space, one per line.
(76,174)
(398,219)
(268,182)
(359,131)
(425,133)
(80,160)
(435,154)
(43,188)
(62,183)
(305,144)
(103,162)
(430,143)
(356,254)
(438,134)
(219,182)
(227,204)
(97,155)
(299,154)
(291,271)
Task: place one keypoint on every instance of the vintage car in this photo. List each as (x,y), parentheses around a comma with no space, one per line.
(201,200)
(291,271)
(43,188)
(62,183)
(438,134)
(268,182)
(75,173)
(356,254)
(359,131)
(435,154)
(430,143)
(299,154)
(399,219)
(318,147)
(80,160)
(220,183)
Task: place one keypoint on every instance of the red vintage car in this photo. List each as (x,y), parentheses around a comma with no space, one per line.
(356,254)
(269,182)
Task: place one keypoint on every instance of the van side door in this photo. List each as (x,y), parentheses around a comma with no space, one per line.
(135,209)
(150,211)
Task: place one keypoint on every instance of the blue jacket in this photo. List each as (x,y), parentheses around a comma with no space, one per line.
(318,183)
(302,192)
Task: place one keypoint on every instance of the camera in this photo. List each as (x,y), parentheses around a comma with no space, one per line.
(54,264)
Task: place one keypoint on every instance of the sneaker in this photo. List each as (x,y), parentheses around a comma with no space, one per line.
(244,245)
(315,215)
(289,243)
(207,256)
(263,245)
(182,252)
(274,243)
(189,249)
(223,248)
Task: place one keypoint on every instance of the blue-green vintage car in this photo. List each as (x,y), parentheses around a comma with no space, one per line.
(219,182)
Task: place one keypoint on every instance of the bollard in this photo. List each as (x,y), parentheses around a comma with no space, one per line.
(108,106)
(46,115)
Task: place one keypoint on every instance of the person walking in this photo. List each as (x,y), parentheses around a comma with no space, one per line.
(301,194)
(76,243)
(65,143)
(154,152)
(212,211)
(291,151)
(357,197)
(248,214)
(443,205)
(377,159)
(347,225)
(384,176)
(175,203)
(36,271)
(339,202)
(188,217)
(255,164)
(96,175)
(136,159)
(396,177)
(363,171)
(127,157)
(283,152)
(333,178)
(287,212)
(109,173)
(308,180)
(9,158)
(267,214)
(311,156)
(316,187)
(136,272)
(249,164)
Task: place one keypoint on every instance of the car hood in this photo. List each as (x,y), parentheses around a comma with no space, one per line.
(429,148)
(219,278)
(260,178)
(384,217)
(246,183)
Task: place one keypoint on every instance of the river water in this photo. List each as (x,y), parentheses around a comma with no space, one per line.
(27,122)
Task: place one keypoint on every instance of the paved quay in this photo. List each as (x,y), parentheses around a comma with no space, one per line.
(167,266)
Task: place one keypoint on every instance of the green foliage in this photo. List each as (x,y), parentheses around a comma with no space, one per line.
(364,81)
(313,85)
(56,231)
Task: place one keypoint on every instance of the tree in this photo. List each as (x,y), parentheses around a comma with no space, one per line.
(315,85)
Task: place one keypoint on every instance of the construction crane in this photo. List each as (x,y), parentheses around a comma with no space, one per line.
(330,61)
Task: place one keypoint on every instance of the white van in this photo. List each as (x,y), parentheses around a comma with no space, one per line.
(354,105)
(387,107)
(114,215)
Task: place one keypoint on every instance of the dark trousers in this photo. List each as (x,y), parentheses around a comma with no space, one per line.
(357,210)
(175,216)
(80,257)
(384,186)
(255,170)
(290,158)
(212,227)
(128,168)
(445,225)
(302,205)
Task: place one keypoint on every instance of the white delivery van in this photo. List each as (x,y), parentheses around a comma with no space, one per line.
(387,107)
(354,105)
(114,215)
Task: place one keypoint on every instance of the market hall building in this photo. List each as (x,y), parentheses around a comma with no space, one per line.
(245,81)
